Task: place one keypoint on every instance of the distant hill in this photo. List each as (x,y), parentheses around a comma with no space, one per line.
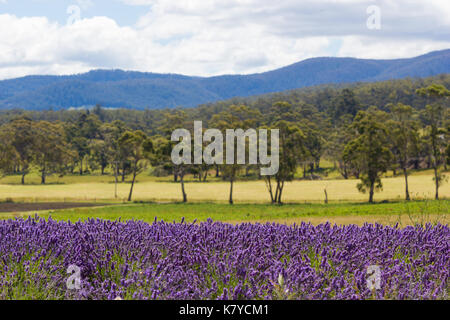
(139,90)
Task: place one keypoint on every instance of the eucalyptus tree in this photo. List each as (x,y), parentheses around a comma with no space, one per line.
(7,152)
(23,139)
(137,147)
(291,154)
(369,150)
(172,120)
(81,133)
(404,138)
(438,103)
(235,117)
(51,152)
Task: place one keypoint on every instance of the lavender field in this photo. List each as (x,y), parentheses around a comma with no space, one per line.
(211,260)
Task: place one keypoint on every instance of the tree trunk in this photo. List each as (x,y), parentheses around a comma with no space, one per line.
(217,171)
(436,178)
(405,172)
(343,170)
(280,192)
(116,173)
(81,166)
(23,178)
(43,176)
(326,196)
(269,187)
(132,185)
(231,192)
(182,188)
(371,192)
(277,190)
(175,177)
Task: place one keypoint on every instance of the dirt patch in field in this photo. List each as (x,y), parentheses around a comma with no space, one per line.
(41,206)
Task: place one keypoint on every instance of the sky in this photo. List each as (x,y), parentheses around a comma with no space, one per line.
(211,37)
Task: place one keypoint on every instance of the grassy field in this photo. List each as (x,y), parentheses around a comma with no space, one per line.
(303,200)
(404,213)
(74,189)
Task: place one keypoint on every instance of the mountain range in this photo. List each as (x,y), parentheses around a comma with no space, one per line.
(141,90)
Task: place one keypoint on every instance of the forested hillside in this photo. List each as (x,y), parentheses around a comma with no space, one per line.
(121,89)
(327,102)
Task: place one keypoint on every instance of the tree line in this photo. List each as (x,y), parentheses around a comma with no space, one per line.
(362,141)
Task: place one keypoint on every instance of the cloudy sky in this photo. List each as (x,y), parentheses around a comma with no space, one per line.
(210,37)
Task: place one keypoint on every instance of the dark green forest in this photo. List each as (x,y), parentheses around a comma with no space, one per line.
(326,102)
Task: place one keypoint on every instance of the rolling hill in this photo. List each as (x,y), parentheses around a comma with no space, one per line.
(139,90)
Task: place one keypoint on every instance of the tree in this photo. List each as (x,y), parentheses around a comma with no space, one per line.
(99,112)
(437,96)
(235,117)
(313,143)
(172,121)
(160,158)
(369,151)
(110,133)
(99,155)
(345,104)
(404,138)
(291,152)
(338,138)
(51,152)
(7,152)
(136,146)
(23,141)
(80,135)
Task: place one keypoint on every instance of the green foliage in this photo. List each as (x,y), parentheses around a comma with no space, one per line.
(369,152)
(136,148)
(436,116)
(291,153)
(404,137)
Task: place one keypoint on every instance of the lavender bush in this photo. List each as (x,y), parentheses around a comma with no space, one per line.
(212,260)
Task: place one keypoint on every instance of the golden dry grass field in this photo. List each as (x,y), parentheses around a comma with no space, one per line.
(421,187)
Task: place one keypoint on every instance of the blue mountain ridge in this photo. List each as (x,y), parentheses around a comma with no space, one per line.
(141,90)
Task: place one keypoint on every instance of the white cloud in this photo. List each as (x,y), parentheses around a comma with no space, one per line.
(200,37)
